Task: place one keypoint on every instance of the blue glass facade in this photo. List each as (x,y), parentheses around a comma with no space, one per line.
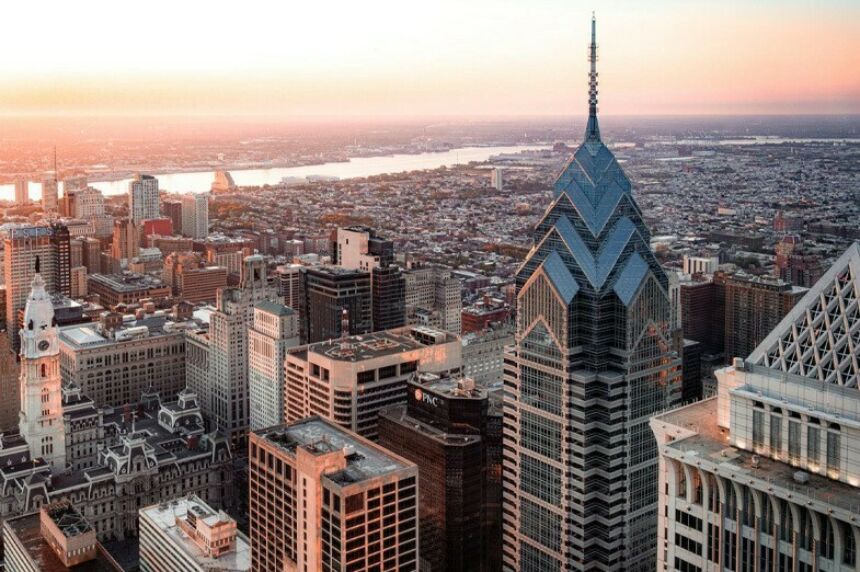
(597,355)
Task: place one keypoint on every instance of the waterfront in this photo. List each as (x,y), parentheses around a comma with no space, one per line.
(358,167)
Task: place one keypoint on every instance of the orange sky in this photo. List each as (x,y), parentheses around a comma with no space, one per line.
(468,57)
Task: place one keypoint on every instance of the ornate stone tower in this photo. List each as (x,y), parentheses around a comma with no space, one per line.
(41,417)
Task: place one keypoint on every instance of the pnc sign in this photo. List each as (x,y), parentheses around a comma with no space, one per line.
(425,398)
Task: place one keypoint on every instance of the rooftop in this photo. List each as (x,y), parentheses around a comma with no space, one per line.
(378,344)
(710,444)
(127,281)
(365,460)
(27,530)
(274,308)
(164,516)
(160,323)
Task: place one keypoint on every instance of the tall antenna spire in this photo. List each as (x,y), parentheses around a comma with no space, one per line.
(592,131)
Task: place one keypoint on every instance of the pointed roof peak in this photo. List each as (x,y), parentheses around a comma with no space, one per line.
(592,129)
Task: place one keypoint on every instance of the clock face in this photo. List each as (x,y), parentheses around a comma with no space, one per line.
(44,345)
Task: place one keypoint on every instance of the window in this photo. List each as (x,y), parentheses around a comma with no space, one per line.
(758,429)
(833,461)
(776,434)
(813,444)
(793,441)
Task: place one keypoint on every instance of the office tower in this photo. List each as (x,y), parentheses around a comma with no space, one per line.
(388,298)
(227,398)
(766,475)
(190,279)
(484,354)
(351,379)
(754,306)
(343,503)
(41,421)
(88,203)
(61,251)
(597,355)
(195,215)
(55,538)
(22,192)
(119,359)
(289,284)
(10,405)
(24,246)
(275,329)
(50,194)
(78,280)
(188,535)
(433,298)
(143,198)
(91,250)
(172,209)
(76,251)
(703,312)
(125,244)
(691,358)
(700,264)
(452,432)
(497,178)
(360,248)
(326,292)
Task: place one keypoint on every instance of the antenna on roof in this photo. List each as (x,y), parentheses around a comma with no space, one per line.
(592,131)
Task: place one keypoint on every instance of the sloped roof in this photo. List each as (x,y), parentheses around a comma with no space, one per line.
(820,337)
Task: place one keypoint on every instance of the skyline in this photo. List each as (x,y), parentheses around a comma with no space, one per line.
(485,59)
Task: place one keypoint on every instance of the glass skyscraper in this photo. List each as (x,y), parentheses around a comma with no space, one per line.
(597,355)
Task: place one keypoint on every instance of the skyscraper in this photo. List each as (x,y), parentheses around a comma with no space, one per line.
(597,354)
(323,498)
(50,193)
(22,191)
(125,244)
(23,247)
(195,215)
(360,248)
(754,306)
(226,396)
(143,198)
(275,329)
(326,292)
(766,475)
(452,431)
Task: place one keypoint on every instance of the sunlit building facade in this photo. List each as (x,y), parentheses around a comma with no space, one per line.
(766,475)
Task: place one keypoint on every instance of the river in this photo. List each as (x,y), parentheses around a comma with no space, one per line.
(358,167)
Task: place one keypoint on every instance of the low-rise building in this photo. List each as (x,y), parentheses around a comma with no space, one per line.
(187,535)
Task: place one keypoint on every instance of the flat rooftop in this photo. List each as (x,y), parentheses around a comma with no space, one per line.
(379,344)
(128,282)
(711,444)
(365,460)
(164,517)
(451,387)
(27,529)
(87,335)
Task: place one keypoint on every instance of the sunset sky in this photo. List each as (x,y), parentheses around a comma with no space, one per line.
(457,57)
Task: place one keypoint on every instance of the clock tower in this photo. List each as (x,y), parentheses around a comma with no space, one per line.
(41,417)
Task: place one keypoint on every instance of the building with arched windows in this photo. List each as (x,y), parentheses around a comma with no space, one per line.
(766,475)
